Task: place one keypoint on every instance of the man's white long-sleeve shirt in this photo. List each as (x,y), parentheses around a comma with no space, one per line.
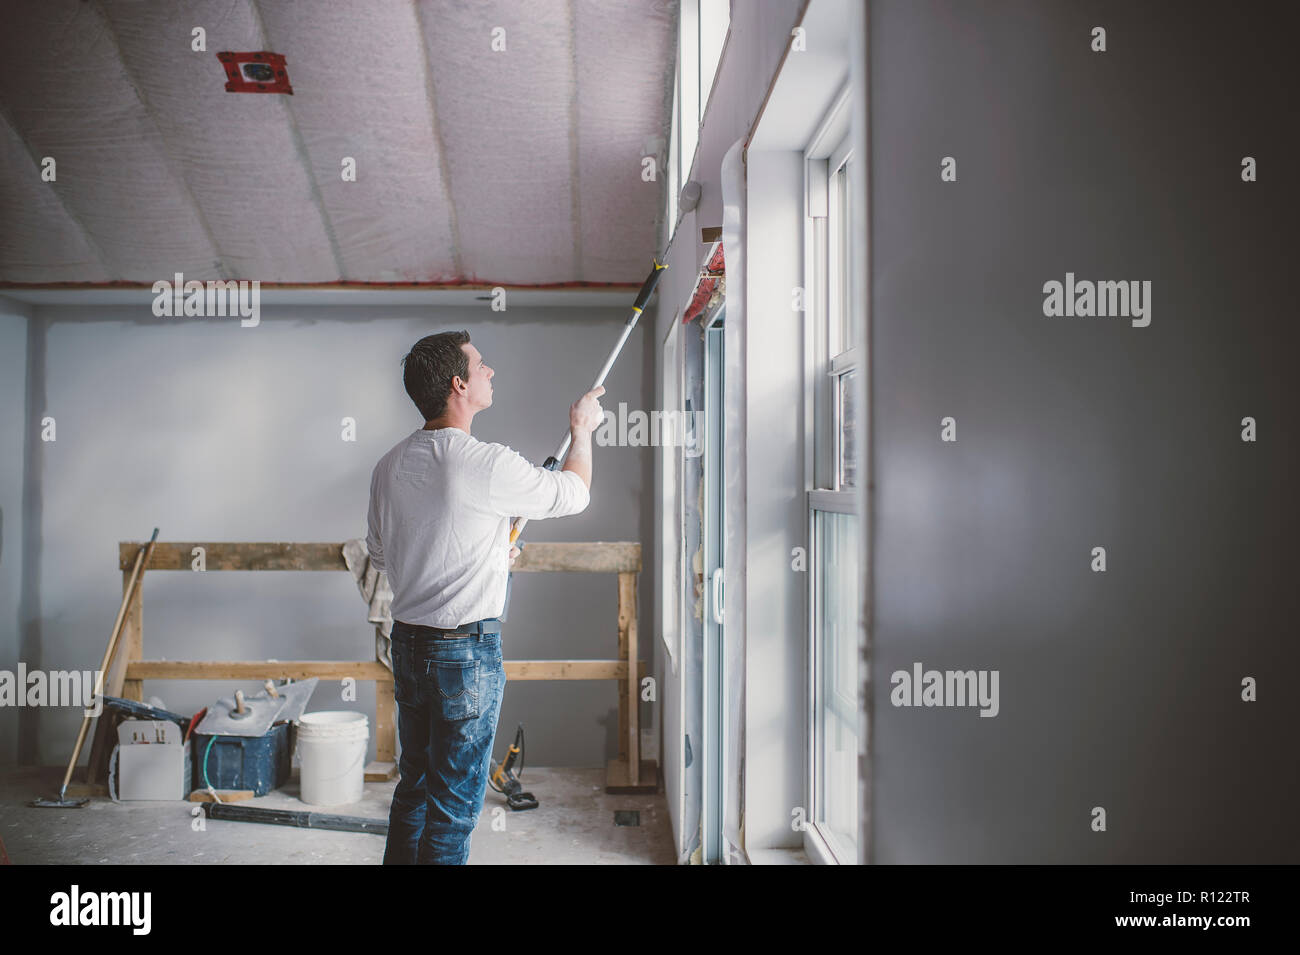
(439,524)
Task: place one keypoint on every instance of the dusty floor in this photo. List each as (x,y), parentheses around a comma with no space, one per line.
(574,824)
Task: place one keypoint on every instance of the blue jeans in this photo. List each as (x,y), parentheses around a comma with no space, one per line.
(448,695)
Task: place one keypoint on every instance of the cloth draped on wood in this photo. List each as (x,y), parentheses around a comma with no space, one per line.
(373,584)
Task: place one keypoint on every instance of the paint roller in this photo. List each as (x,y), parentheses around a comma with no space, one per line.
(555,460)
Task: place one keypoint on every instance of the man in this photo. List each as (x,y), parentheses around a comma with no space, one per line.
(439,526)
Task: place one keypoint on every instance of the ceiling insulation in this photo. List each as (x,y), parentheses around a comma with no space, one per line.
(519,166)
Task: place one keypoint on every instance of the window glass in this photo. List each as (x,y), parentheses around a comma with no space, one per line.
(847,429)
(837,680)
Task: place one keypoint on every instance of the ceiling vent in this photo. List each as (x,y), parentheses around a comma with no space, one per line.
(260,72)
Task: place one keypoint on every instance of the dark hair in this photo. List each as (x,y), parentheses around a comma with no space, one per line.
(429,367)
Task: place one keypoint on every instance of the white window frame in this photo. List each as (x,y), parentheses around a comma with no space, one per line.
(714,29)
(688,86)
(672,475)
(674,163)
(827,358)
(703,32)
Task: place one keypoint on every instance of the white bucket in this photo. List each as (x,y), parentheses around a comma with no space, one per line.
(332,746)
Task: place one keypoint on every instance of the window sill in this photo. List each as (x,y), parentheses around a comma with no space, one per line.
(795,856)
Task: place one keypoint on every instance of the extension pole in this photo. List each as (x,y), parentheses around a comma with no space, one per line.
(554,461)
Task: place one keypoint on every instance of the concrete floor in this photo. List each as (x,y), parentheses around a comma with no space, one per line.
(574,824)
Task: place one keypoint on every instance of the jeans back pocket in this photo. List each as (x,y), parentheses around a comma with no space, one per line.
(456,683)
(405,677)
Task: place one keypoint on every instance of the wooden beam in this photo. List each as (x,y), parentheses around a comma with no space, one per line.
(257,670)
(362,670)
(219,555)
(586,557)
(566,669)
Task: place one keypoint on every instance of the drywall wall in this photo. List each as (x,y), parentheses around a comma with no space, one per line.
(776,510)
(1119,689)
(758,35)
(212,431)
(14,321)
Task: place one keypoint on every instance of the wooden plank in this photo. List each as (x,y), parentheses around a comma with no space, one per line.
(257,669)
(380,772)
(225,795)
(566,670)
(627,603)
(385,722)
(362,670)
(592,557)
(238,555)
(131,643)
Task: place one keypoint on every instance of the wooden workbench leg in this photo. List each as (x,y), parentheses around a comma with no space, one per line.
(628,651)
(623,620)
(385,722)
(131,642)
(384,768)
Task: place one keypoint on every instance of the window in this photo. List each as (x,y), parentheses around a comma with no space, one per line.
(834,528)
(701,35)
(688,87)
(842,335)
(835,580)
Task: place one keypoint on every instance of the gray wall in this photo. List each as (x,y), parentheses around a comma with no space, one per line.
(14,321)
(212,431)
(1118,689)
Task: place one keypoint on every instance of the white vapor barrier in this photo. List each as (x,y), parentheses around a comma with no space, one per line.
(436,141)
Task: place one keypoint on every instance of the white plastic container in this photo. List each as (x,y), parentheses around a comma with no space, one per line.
(152,761)
(332,747)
